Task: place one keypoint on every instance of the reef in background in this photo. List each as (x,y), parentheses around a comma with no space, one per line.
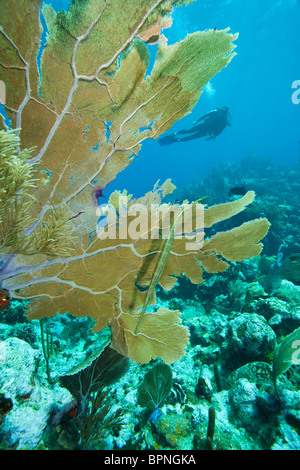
(222,395)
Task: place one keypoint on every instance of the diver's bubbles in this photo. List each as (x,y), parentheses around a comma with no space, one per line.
(210,92)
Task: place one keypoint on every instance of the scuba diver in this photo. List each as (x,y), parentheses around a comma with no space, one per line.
(210,126)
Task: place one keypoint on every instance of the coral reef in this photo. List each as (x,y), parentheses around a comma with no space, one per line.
(84,132)
(33,401)
(258,174)
(227,366)
(77,392)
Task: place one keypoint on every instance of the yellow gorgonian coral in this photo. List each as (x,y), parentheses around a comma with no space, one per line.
(87,114)
(116,196)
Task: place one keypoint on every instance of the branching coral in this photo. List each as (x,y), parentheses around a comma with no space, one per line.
(87,116)
(16,180)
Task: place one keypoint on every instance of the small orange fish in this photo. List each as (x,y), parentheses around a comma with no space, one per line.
(26,396)
(73,413)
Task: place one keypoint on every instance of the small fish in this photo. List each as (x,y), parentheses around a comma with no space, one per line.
(74,412)
(155,415)
(4,299)
(160,266)
(294,258)
(238,191)
(25,396)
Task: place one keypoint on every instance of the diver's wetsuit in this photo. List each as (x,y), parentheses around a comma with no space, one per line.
(210,126)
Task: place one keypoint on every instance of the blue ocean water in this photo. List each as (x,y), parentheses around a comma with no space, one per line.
(256,86)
